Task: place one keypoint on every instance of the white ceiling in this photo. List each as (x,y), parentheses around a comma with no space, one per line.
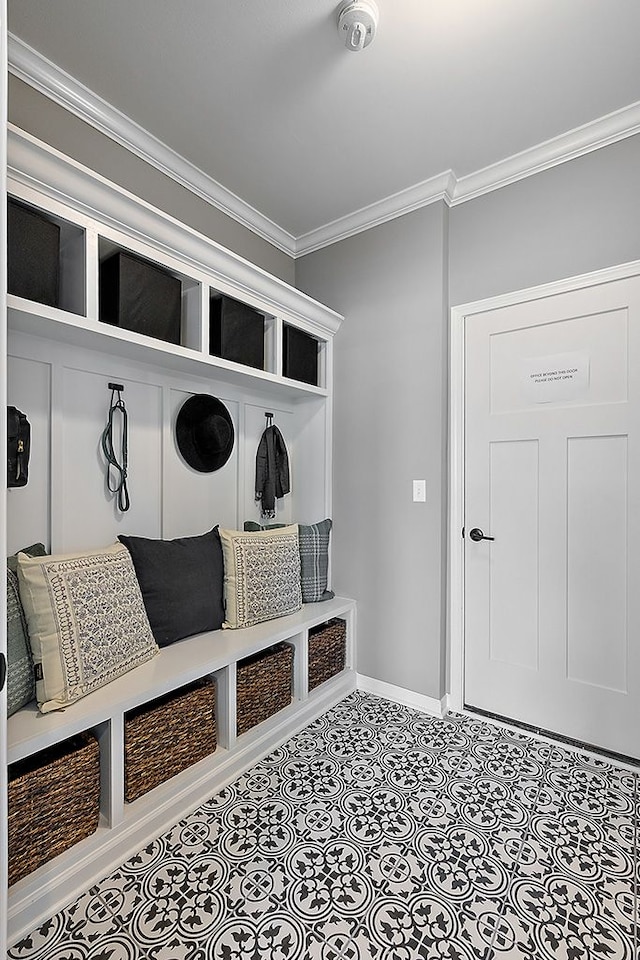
(263,98)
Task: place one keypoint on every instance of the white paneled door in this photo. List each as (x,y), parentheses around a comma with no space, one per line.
(552,474)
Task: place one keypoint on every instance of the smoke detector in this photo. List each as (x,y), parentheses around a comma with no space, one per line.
(357,23)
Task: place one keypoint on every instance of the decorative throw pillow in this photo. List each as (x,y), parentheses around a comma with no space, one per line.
(181,582)
(35,550)
(261,575)
(87,621)
(21,684)
(314,557)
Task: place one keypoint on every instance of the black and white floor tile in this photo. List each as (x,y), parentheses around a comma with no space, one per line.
(380,833)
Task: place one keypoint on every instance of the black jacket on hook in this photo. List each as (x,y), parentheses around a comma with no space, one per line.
(272,470)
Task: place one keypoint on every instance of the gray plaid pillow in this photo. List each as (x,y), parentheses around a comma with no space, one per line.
(314,557)
(21,686)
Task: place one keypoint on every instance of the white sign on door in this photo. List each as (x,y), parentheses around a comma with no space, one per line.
(559,376)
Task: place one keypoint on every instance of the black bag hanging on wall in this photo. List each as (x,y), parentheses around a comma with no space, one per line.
(18,447)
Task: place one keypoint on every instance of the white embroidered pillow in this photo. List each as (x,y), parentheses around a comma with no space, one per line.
(261,575)
(87,621)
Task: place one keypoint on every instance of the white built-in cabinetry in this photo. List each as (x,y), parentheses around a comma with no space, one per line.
(60,360)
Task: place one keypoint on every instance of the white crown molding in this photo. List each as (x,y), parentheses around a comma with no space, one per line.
(575,143)
(419,195)
(38,167)
(453,190)
(31,67)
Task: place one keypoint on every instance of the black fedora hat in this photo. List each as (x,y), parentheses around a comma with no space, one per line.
(204,432)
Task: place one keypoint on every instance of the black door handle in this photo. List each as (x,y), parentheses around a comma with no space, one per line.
(477,534)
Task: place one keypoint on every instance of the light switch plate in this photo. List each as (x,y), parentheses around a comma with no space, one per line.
(419,491)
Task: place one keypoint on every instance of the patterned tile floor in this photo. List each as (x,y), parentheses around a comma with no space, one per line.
(379,833)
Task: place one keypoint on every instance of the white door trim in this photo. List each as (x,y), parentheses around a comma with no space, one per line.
(4,846)
(459,315)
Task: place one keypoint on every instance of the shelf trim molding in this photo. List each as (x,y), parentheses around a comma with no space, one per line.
(47,78)
(38,166)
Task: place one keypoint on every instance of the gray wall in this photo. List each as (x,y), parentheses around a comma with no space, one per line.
(44,119)
(389,428)
(577,217)
(390,363)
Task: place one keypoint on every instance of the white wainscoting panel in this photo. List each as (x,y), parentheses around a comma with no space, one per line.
(89,515)
(67,504)
(195,502)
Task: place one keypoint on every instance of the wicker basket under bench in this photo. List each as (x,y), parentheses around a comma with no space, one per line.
(164,737)
(264,685)
(327,651)
(54,802)
(130,826)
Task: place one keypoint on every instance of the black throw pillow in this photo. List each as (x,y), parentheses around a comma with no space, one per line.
(181,582)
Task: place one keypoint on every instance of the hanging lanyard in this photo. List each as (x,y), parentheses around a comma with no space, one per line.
(116,471)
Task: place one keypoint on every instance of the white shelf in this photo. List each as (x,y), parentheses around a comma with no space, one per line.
(69,328)
(174,666)
(96,217)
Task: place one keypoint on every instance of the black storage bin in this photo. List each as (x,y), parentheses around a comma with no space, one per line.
(33,254)
(299,355)
(141,296)
(236,332)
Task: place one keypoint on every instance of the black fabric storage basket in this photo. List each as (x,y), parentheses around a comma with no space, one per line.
(164,737)
(33,254)
(54,801)
(299,355)
(138,295)
(263,685)
(327,648)
(236,332)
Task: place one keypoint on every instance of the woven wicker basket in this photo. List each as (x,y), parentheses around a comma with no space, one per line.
(327,643)
(164,737)
(54,801)
(263,685)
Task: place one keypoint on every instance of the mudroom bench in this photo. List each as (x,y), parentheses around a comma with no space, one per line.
(64,350)
(126,827)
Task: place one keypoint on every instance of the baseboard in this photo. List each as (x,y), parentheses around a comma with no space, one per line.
(408,698)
